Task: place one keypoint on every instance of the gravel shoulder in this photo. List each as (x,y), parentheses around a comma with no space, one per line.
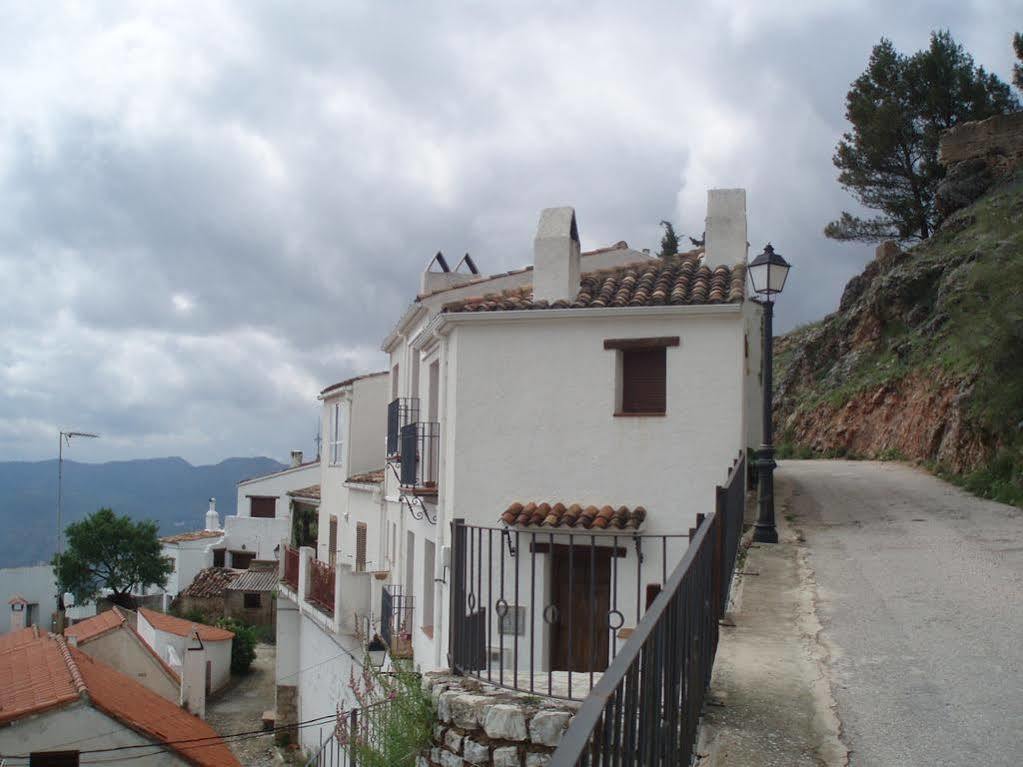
(240,706)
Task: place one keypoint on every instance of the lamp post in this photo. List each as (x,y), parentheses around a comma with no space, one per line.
(768,272)
(377,651)
(65,436)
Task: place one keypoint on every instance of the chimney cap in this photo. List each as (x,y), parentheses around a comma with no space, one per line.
(557,222)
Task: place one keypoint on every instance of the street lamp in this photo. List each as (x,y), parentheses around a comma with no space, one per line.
(65,436)
(767,272)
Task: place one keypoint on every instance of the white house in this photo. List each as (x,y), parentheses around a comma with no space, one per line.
(608,390)
(29,598)
(110,639)
(171,638)
(58,706)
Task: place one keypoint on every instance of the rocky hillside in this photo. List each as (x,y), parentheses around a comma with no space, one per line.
(924,357)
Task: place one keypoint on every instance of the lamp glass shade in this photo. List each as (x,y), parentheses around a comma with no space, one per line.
(377,651)
(768,272)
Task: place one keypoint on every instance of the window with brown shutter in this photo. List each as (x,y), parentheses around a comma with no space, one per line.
(332,541)
(263,506)
(218,557)
(53,759)
(643,381)
(360,547)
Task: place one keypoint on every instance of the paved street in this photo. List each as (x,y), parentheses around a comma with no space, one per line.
(920,595)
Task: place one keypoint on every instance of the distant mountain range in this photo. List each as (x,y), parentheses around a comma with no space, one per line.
(169,490)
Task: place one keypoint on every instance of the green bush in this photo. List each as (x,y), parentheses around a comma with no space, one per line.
(243,648)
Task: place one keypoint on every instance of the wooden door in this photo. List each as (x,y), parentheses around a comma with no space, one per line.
(581,591)
(209,677)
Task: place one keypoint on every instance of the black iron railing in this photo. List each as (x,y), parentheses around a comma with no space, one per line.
(645,708)
(400,412)
(546,610)
(397,613)
(419,446)
(353,732)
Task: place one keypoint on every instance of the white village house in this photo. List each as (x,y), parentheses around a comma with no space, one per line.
(171,638)
(573,418)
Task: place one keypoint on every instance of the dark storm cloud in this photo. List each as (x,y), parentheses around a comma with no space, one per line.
(213,210)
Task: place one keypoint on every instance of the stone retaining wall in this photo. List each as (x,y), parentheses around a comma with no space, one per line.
(483,725)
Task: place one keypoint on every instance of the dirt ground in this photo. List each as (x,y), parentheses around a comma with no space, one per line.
(239,707)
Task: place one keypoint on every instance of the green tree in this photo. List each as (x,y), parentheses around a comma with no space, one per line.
(1017,69)
(669,242)
(109,551)
(898,109)
(243,647)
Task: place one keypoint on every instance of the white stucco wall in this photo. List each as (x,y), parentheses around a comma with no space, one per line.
(189,558)
(37,584)
(278,485)
(218,653)
(122,650)
(368,424)
(77,725)
(535,402)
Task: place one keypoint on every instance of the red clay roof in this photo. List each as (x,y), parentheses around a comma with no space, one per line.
(184,628)
(657,282)
(124,699)
(367,478)
(95,626)
(35,676)
(210,582)
(353,379)
(313,491)
(195,535)
(576,515)
(13,639)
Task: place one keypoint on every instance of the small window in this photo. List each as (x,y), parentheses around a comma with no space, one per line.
(337,434)
(53,759)
(240,560)
(263,506)
(251,600)
(173,563)
(644,386)
(218,557)
(360,547)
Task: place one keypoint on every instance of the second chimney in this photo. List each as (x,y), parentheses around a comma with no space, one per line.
(296,458)
(725,236)
(556,256)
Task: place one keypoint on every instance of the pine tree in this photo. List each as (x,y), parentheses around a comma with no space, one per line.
(669,242)
(898,109)
(1017,69)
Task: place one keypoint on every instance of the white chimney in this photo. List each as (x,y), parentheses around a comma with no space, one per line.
(556,256)
(193,678)
(725,241)
(296,458)
(212,518)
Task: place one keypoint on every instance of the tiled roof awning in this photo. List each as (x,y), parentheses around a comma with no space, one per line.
(210,582)
(367,478)
(682,280)
(574,516)
(311,493)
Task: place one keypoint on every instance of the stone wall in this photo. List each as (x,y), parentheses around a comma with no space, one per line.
(977,155)
(483,725)
(286,713)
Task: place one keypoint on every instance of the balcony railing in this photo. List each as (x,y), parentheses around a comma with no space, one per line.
(397,613)
(646,708)
(291,567)
(400,413)
(321,585)
(419,446)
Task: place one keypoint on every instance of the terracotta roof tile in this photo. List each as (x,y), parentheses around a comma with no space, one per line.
(368,478)
(183,628)
(95,626)
(13,639)
(313,491)
(682,280)
(36,675)
(573,516)
(195,535)
(124,699)
(210,582)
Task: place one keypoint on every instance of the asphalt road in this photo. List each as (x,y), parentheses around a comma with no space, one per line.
(920,595)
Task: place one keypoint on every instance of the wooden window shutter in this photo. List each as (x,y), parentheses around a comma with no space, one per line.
(360,547)
(332,541)
(643,380)
(263,506)
(218,557)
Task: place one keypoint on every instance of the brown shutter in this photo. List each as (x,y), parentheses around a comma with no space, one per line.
(53,759)
(218,557)
(643,380)
(360,547)
(332,541)
(263,506)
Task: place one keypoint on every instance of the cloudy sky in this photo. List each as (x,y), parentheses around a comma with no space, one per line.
(211,210)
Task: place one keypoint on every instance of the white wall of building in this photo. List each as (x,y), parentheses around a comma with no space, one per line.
(278,485)
(123,650)
(218,652)
(37,584)
(189,558)
(78,723)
